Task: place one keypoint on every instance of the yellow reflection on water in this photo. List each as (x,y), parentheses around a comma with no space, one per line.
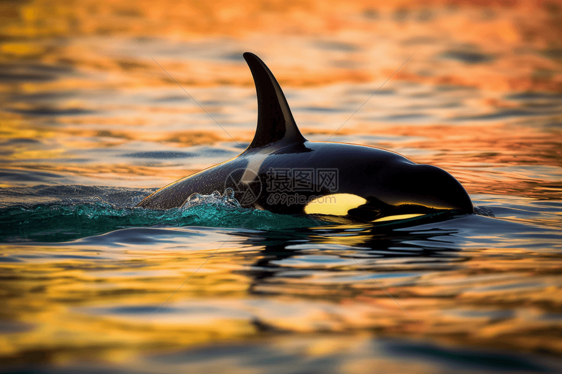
(479,98)
(95,302)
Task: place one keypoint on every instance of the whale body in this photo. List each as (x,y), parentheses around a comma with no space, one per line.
(284,173)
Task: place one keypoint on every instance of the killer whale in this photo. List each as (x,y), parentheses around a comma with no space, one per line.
(282,172)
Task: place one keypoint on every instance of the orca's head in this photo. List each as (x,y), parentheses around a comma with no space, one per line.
(413,189)
(426,186)
(401,191)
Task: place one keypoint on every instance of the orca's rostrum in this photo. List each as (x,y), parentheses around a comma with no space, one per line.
(282,172)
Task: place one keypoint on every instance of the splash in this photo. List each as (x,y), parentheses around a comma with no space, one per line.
(226,200)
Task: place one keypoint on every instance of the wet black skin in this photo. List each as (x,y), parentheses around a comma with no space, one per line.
(390,183)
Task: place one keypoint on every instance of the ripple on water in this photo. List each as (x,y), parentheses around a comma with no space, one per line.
(90,284)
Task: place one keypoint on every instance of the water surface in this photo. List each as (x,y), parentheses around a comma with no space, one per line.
(91,124)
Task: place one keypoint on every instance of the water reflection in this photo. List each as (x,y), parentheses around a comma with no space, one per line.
(82,103)
(327,280)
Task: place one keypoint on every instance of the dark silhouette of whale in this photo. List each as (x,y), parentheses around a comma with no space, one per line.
(282,172)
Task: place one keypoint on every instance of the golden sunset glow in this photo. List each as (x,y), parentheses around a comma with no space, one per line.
(101,98)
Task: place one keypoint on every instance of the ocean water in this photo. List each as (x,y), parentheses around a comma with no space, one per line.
(103,103)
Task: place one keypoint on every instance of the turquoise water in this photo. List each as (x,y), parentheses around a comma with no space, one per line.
(75,212)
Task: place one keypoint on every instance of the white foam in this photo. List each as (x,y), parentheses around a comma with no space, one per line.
(227,199)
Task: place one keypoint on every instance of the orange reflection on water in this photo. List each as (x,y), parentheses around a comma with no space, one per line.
(73,299)
(83,102)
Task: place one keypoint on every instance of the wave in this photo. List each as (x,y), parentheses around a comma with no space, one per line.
(65,213)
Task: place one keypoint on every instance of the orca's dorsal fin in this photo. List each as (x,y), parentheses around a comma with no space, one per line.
(275,120)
